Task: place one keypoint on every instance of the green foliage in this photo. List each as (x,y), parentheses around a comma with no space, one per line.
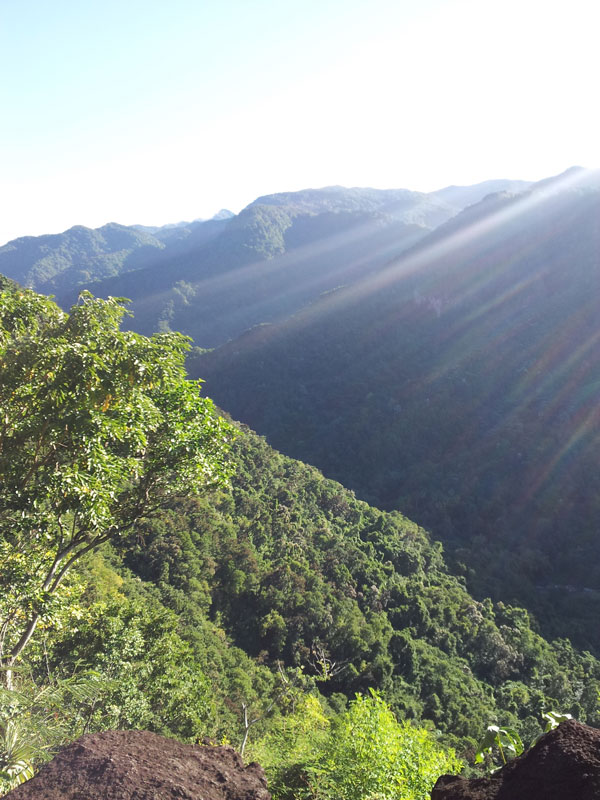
(506,740)
(99,428)
(164,671)
(552,720)
(296,570)
(289,749)
(34,721)
(189,611)
(154,680)
(360,753)
(189,616)
(16,756)
(370,755)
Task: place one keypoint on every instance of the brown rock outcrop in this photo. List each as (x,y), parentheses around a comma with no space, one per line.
(137,765)
(563,765)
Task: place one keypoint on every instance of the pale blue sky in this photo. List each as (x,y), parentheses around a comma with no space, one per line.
(153,112)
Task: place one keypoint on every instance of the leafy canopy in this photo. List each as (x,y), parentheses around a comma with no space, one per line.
(98,429)
(371,755)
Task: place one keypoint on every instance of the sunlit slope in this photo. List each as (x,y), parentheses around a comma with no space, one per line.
(268,264)
(270,260)
(460,385)
(214,279)
(60,261)
(293,569)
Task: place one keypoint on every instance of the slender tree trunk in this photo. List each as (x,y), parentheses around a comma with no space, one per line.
(18,648)
(248,723)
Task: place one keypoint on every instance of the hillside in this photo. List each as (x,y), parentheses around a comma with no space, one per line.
(458,385)
(214,279)
(252,613)
(426,209)
(55,262)
(291,568)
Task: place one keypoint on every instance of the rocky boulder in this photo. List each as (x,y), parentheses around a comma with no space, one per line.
(563,765)
(137,765)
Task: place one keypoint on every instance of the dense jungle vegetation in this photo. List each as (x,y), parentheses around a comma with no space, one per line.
(460,386)
(260,603)
(257,610)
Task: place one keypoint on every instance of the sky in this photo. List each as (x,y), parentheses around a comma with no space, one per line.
(151,112)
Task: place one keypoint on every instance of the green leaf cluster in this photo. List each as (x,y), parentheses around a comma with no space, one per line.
(98,429)
(371,755)
(363,752)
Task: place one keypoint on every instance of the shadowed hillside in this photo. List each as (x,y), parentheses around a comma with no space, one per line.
(460,385)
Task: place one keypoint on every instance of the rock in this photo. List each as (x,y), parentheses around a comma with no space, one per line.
(138,765)
(563,765)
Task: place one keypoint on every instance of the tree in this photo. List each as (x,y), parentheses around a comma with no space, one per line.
(371,755)
(99,428)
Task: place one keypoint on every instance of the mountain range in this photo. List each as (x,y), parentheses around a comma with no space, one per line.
(277,255)
(459,383)
(435,353)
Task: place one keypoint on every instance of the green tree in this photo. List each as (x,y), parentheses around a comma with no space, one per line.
(371,755)
(289,749)
(99,428)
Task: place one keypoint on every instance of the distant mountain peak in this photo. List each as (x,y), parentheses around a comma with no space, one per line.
(575,177)
(459,197)
(224,213)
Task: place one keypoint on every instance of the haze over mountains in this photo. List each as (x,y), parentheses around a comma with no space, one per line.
(279,253)
(437,356)
(459,384)
(435,353)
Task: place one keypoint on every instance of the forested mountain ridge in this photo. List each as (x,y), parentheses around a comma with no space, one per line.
(58,261)
(458,385)
(419,383)
(65,263)
(427,209)
(214,279)
(273,586)
(275,600)
(290,567)
(277,597)
(267,264)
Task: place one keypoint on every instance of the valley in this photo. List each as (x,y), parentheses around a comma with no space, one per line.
(434,359)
